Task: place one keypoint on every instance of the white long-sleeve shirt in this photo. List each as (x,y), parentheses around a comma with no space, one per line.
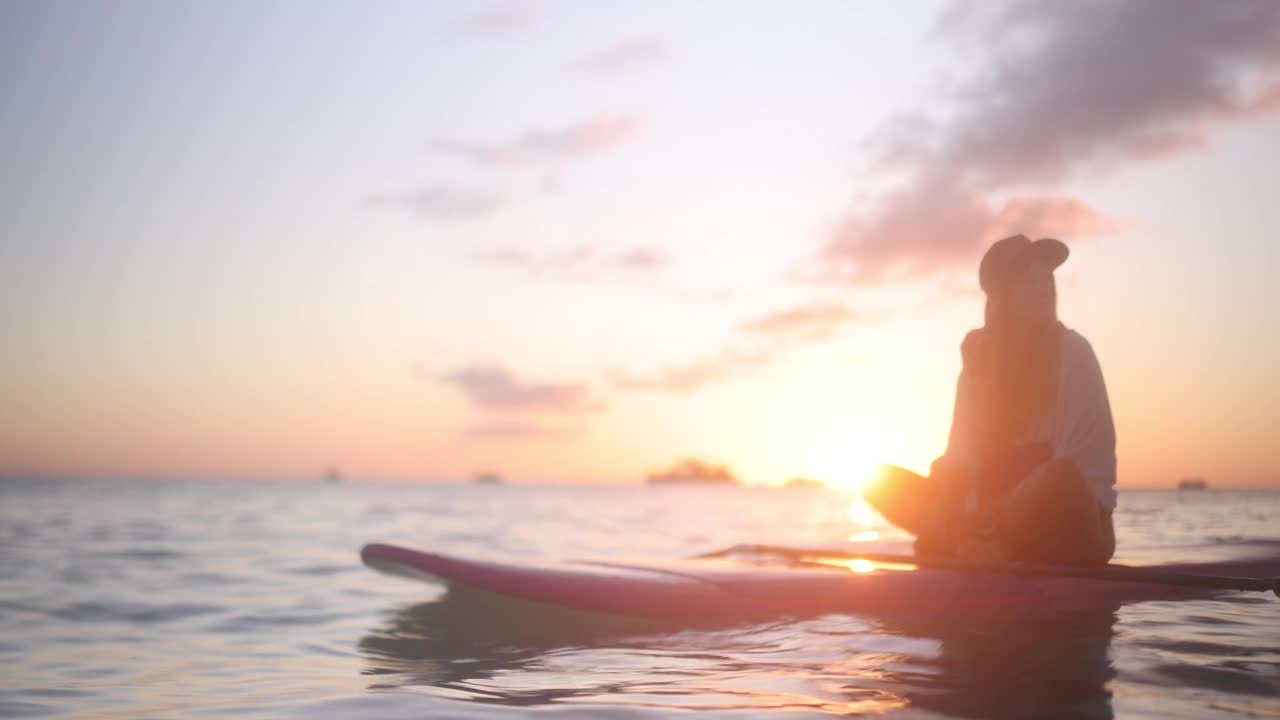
(1079,427)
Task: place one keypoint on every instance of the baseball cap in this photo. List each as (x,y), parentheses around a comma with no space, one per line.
(1007,257)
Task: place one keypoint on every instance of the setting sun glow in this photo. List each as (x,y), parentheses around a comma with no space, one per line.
(845,460)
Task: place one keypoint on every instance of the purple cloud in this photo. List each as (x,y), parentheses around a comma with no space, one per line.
(806,323)
(1066,89)
(517,431)
(444,202)
(681,379)
(769,336)
(596,135)
(583,263)
(492,388)
(624,55)
(930,229)
(642,259)
(493,20)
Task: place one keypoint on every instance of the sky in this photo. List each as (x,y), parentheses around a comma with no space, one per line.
(579,241)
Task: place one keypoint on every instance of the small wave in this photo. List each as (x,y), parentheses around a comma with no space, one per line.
(134,553)
(320,570)
(1249,680)
(1261,542)
(250,623)
(12,709)
(341,650)
(51,692)
(212,579)
(131,612)
(486,539)
(149,555)
(1200,647)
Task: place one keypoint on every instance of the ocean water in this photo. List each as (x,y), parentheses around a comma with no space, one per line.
(149,599)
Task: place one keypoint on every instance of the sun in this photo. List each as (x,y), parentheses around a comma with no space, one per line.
(847,465)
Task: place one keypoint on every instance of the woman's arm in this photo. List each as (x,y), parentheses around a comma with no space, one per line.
(961,455)
(1086,434)
(952,475)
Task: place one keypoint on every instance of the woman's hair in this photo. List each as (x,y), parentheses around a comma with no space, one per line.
(1016,366)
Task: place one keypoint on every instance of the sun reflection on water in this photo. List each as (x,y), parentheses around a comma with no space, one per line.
(861,566)
(863,515)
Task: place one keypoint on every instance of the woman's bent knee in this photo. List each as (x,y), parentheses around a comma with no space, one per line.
(1056,518)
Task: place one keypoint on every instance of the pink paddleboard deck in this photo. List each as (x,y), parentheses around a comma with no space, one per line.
(704,588)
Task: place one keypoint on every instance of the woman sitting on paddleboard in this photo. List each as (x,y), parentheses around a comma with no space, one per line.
(1030,468)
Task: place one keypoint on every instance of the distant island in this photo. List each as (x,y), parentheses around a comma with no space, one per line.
(1193,483)
(804,482)
(487,478)
(693,472)
(333,476)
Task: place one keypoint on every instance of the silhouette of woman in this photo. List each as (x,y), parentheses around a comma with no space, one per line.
(1030,468)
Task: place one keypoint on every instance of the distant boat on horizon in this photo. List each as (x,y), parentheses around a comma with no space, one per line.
(487,477)
(1193,483)
(693,472)
(333,476)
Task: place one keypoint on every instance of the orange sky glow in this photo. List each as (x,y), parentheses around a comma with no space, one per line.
(573,251)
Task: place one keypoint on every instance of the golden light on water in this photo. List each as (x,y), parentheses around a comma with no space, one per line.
(864,565)
(863,516)
(861,566)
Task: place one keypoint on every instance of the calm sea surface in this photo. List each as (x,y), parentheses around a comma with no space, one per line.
(243,600)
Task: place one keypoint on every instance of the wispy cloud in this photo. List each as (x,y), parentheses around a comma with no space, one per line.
(520,431)
(686,378)
(1067,89)
(598,134)
(443,202)
(492,388)
(584,263)
(806,323)
(493,20)
(624,55)
(759,342)
(767,338)
(932,228)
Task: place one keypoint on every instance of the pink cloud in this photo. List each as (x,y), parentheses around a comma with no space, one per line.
(1063,217)
(493,20)
(643,259)
(1264,102)
(493,388)
(1158,143)
(583,263)
(926,231)
(1066,88)
(681,379)
(768,338)
(804,323)
(519,431)
(444,202)
(624,55)
(598,134)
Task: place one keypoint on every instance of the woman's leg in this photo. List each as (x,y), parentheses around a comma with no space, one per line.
(1053,517)
(903,497)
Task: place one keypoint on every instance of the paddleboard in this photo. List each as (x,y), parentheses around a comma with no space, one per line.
(733,588)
